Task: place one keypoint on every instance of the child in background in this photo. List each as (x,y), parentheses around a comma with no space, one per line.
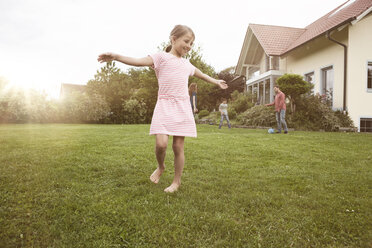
(172,113)
(224,114)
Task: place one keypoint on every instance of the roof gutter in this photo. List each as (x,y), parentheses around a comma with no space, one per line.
(319,35)
(328,35)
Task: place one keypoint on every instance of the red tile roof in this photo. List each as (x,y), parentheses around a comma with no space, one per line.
(277,40)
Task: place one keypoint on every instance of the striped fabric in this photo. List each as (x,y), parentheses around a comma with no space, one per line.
(173,114)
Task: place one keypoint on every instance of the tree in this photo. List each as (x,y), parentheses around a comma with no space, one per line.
(293,86)
(81,107)
(114,86)
(135,111)
(235,83)
(4,101)
(241,101)
(146,91)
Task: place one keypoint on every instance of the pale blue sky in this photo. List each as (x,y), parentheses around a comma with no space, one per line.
(44,43)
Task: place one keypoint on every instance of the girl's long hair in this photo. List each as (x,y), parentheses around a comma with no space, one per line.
(177,32)
(193,88)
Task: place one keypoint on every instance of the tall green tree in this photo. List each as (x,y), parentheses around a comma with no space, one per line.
(115,88)
(146,90)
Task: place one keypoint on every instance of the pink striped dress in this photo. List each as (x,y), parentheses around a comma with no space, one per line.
(173,114)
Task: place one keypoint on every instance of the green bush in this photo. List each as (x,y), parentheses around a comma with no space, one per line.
(203,113)
(259,115)
(240,102)
(345,120)
(218,115)
(313,114)
(232,113)
(134,111)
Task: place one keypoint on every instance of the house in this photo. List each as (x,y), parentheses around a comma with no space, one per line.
(68,89)
(334,53)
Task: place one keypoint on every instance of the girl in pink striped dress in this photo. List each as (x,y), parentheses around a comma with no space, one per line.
(172,114)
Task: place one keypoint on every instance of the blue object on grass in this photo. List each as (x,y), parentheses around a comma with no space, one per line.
(271,130)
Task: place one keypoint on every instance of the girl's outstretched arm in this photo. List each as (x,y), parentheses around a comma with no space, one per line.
(221,83)
(106,57)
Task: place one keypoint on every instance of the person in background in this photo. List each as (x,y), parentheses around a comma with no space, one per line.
(223,109)
(280,109)
(193,90)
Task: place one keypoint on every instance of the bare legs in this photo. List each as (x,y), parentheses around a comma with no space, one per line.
(160,151)
(179,160)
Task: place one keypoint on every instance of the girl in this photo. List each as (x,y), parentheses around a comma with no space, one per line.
(172,113)
(193,89)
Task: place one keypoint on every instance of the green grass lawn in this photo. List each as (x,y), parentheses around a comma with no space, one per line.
(88,186)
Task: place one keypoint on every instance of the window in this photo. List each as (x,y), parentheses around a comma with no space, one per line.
(366,125)
(369,76)
(327,84)
(309,77)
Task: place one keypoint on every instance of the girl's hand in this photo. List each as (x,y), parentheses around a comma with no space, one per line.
(196,110)
(106,57)
(222,84)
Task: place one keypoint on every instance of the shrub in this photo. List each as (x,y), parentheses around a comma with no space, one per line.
(313,114)
(345,120)
(240,102)
(134,111)
(203,113)
(218,115)
(83,108)
(231,112)
(258,116)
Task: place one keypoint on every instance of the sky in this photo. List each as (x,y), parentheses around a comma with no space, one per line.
(44,43)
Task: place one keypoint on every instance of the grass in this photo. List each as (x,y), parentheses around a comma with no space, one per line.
(88,186)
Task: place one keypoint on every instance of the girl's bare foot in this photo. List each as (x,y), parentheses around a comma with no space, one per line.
(172,188)
(155,176)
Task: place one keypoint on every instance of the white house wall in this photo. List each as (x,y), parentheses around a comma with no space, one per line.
(359,100)
(317,55)
(263,63)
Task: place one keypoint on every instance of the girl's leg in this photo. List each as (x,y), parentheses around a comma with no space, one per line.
(179,161)
(160,151)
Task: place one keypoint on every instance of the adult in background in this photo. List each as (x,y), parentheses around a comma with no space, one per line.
(223,109)
(193,90)
(280,109)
